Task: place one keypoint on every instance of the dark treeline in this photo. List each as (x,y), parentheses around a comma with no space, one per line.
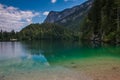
(6,36)
(45,31)
(103,21)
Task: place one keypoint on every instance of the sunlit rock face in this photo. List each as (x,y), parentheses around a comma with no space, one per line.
(74,14)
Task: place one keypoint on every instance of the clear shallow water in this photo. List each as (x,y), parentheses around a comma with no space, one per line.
(20,57)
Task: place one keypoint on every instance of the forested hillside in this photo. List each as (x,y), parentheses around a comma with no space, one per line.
(103,21)
(45,31)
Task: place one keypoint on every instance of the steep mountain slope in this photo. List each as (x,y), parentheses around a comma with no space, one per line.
(72,17)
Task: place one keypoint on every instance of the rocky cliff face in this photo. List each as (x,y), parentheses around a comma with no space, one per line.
(72,15)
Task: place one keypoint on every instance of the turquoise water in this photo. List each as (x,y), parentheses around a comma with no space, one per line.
(42,55)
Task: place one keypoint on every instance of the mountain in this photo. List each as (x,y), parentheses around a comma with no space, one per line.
(71,17)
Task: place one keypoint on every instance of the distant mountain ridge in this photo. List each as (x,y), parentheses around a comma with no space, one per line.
(74,14)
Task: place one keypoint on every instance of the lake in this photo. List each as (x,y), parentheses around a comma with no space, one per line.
(59,60)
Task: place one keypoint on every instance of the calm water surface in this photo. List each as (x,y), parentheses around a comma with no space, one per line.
(40,55)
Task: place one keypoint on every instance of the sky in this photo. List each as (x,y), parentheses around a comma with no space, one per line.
(16,14)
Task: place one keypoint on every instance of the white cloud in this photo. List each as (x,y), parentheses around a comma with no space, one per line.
(46,13)
(53,1)
(14,18)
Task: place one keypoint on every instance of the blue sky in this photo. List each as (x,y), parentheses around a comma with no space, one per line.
(19,13)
